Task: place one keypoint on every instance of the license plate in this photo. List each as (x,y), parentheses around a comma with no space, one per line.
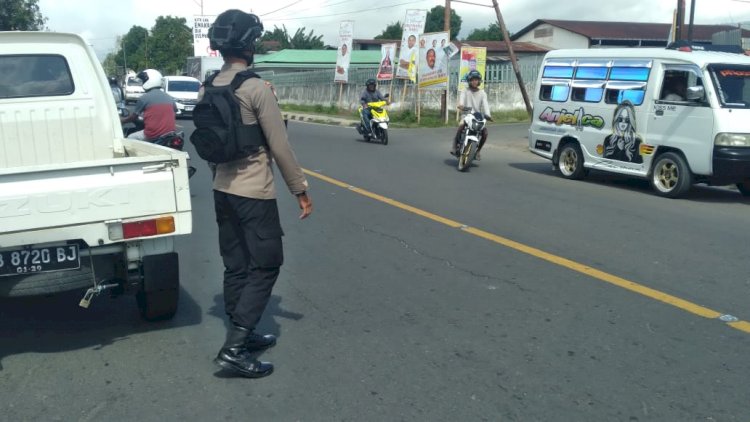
(38,260)
(189,108)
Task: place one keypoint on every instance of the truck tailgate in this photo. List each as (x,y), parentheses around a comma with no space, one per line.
(97,192)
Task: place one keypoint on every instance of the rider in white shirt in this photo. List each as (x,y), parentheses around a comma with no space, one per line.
(473,98)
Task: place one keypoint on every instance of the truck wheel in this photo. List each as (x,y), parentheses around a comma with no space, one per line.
(160,288)
(571,161)
(159,305)
(671,176)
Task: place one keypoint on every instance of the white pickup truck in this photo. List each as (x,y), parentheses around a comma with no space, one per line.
(80,206)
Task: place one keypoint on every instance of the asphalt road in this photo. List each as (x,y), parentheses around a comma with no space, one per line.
(418,293)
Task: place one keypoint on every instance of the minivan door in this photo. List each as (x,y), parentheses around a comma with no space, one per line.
(678,121)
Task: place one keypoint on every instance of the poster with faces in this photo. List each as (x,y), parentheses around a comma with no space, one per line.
(433,62)
(343,58)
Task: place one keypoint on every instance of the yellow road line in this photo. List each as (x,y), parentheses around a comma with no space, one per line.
(557,260)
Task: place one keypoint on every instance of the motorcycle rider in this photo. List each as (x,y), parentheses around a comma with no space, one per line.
(117,92)
(369,95)
(473,98)
(158,108)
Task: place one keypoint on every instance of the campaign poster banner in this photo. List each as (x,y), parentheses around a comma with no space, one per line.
(387,55)
(433,62)
(344,56)
(472,58)
(414,23)
(201,45)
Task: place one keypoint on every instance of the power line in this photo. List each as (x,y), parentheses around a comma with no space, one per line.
(277,10)
(321,6)
(349,13)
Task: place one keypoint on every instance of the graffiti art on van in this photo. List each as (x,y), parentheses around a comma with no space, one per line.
(578,118)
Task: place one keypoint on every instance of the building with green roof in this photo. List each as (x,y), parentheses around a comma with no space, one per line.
(304,60)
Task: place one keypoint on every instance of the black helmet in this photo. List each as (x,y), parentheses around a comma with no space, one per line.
(234,30)
(371,82)
(112,80)
(473,74)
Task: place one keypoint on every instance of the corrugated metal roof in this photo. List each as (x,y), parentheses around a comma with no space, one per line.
(316,57)
(500,47)
(626,30)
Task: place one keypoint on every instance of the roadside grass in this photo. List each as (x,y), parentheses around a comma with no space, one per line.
(404,118)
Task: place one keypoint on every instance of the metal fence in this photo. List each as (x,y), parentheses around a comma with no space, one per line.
(317,88)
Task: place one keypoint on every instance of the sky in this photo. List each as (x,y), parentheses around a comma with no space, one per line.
(102,21)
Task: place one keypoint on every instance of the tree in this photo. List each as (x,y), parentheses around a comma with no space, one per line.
(170,43)
(134,49)
(393,31)
(436,21)
(491,33)
(299,41)
(21,15)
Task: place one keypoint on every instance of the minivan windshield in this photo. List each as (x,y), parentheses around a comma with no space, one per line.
(184,86)
(732,83)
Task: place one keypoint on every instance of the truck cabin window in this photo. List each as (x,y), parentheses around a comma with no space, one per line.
(34,76)
(732,83)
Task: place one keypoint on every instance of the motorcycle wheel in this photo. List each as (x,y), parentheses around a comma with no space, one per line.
(466,156)
(384,136)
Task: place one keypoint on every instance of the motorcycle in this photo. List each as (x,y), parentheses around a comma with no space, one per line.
(378,123)
(474,123)
(174,140)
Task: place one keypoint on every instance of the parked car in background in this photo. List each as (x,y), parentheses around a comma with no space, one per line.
(184,90)
(133,90)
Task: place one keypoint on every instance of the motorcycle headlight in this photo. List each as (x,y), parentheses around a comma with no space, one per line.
(476,126)
(732,140)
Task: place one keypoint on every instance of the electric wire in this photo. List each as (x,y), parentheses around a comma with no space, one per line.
(348,13)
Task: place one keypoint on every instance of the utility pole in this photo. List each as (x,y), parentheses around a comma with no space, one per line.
(680,19)
(512,55)
(692,19)
(447,28)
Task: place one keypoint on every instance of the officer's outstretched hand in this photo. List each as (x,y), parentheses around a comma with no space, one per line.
(305,204)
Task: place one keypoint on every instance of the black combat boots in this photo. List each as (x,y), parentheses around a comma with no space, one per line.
(235,355)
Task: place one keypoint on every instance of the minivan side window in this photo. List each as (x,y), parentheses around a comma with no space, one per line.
(675,85)
(557,89)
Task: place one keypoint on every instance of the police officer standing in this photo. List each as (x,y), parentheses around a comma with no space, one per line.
(245,200)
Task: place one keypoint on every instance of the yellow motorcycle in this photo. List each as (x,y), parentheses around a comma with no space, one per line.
(378,123)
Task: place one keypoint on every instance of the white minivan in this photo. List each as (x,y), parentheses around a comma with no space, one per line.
(674,116)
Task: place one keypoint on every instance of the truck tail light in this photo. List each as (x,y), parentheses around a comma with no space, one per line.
(143,228)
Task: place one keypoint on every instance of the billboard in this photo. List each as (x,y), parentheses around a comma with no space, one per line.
(472,58)
(408,58)
(433,61)
(386,68)
(344,55)
(201,46)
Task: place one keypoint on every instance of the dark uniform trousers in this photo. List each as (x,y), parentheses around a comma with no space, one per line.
(250,244)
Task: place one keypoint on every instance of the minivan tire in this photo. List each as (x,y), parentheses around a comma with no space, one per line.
(570,161)
(671,176)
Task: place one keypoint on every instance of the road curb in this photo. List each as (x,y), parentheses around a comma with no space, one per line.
(319,118)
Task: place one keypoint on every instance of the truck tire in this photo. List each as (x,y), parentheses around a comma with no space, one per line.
(160,288)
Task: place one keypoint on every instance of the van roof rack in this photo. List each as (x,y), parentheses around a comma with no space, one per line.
(688,46)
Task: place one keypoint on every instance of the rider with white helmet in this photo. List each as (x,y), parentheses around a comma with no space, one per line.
(158,108)
(473,98)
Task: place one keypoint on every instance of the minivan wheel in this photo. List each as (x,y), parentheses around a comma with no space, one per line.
(671,176)
(744,187)
(571,161)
